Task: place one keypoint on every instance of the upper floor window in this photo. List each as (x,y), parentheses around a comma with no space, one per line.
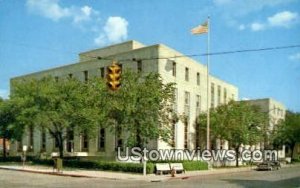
(187,103)
(86,76)
(219,95)
(198,104)
(186,74)
(212,98)
(139,66)
(198,78)
(225,95)
(174,69)
(102,72)
(176,99)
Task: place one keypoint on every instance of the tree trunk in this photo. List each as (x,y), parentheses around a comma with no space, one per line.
(237,156)
(60,146)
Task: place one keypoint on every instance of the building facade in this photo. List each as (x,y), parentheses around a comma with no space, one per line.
(276,112)
(191,95)
(275,109)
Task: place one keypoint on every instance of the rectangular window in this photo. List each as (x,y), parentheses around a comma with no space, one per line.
(197,139)
(43,140)
(225,96)
(70,75)
(174,69)
(101,140)
(70,140)
(198,104)
(84,142)
(212,97)
(102,72)
(233,96)
(187,103)
(56,145)
(198,78)
(20,145)
(176,99)
(139,66)
(186,134)
(186,74)
(219,95)
(119,140)
(86,76)
(31,137)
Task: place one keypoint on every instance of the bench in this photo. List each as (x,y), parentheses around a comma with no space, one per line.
(178,167)
(162,168)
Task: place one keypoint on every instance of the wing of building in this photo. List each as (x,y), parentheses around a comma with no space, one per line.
(189,75)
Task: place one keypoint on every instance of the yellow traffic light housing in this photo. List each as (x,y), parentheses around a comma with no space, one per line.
(114,76)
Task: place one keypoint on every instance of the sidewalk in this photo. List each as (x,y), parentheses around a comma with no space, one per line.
(123,176)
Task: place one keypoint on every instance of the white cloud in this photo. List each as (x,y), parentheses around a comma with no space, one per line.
(53,10)
(115,30)
(257,26)
(233,10)
(48,8)
(295,57)
(4,93)
(283,19)
(243,7)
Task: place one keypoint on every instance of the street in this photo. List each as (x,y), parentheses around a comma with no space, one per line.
(285,177)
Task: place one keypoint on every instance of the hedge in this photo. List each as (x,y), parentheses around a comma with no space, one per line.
(188,165)
(111,166)
(98,165)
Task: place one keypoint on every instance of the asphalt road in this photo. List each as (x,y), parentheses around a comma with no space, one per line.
(286,177)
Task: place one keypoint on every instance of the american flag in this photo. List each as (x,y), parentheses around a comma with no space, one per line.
(203,28)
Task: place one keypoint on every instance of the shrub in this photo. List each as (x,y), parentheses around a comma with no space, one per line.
(96,165)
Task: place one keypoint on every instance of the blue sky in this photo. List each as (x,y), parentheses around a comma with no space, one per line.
(41,34)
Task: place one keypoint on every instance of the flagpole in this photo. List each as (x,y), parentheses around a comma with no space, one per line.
(208,96)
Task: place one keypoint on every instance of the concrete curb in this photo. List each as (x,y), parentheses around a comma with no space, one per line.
(48,173)
(147,178)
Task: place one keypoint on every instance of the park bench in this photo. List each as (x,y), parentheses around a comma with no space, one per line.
(162,168)
(178,167)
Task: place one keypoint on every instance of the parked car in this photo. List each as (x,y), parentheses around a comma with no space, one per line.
(269,165)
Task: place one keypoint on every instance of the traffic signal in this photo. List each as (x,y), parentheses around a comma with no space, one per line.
(114,76)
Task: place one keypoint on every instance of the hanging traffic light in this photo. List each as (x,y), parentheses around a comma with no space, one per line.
(114,76)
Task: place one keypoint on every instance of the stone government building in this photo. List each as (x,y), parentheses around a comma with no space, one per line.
(191,95)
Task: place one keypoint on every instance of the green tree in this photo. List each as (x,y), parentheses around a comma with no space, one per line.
(9,129)
(288,131)
(237,122)
(143,107)
(58,106)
